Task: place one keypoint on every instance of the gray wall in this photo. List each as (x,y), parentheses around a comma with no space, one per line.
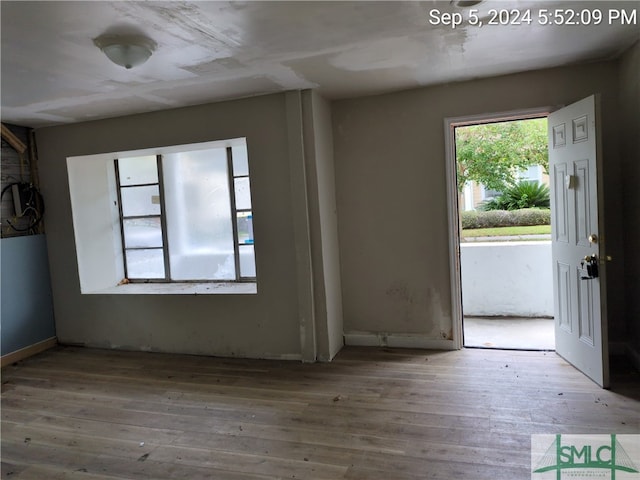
(630,125)
(27,312)
(264,325)
(389,159)
(391,193)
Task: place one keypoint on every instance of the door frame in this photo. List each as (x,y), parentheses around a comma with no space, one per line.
(450,123)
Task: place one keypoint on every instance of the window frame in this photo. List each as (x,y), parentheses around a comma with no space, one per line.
(231,177)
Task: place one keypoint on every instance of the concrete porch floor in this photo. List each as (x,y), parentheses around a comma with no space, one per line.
(509,333)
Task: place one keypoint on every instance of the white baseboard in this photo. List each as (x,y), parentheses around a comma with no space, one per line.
(396,340)
(28,351)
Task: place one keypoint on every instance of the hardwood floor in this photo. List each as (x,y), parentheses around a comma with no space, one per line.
(370,414)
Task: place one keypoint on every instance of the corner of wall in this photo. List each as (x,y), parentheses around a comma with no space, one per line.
(301,222)
(319,159)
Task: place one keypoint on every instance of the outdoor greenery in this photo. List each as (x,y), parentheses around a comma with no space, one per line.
(505,218)
(506,231)
(491,154)
(525,194)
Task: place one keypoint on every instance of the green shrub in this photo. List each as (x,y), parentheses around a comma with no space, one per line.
(533,216)
(525,194)
(505,218)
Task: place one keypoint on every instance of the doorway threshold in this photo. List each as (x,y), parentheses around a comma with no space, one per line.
(509,333)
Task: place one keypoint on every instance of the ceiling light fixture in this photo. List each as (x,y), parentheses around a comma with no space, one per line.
(128,51)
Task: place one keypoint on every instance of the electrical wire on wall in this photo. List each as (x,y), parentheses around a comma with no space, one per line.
(21,201)
(28,204)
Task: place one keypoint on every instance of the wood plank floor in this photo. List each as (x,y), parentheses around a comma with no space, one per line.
(370,414)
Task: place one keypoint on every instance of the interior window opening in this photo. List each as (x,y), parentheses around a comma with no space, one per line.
(186,216)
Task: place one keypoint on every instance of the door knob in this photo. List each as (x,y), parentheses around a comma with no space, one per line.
(593,238)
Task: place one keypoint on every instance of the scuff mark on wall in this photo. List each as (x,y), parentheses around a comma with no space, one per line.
(414,306)
(439,315)
(399,290)
(447,335)
(404,300)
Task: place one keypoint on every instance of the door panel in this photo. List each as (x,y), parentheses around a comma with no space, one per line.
(583,217)
(560,216)
(563,311)
(581,327)
(585,302)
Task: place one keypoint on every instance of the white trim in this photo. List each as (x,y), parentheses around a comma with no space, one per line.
(28,351)
(178,288)
(454,233)
(148,349)
(507,116)
(397,340)
(452,200)
(289,357)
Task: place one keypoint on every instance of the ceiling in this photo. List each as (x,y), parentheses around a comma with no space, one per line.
(52,73)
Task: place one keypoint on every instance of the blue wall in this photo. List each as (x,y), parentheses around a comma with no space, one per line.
(27,310)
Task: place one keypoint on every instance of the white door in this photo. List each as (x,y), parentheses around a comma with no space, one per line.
(579,294)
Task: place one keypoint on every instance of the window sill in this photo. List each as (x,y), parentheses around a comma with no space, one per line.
(249,288)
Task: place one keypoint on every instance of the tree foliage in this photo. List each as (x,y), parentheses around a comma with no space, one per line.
(491,154)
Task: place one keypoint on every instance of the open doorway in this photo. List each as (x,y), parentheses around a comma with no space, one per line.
(577,248)
(502,204)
